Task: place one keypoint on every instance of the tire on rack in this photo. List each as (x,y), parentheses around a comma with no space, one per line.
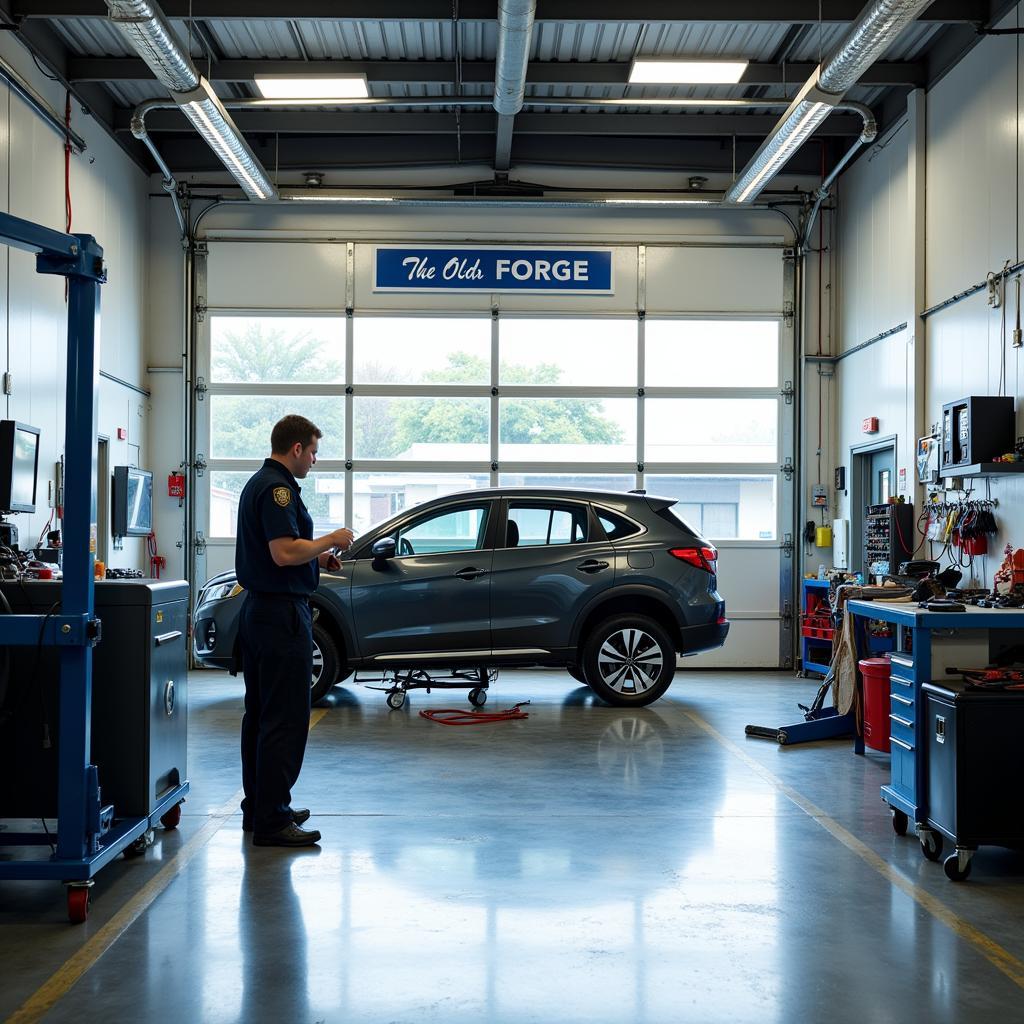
(629,660)
(326,664)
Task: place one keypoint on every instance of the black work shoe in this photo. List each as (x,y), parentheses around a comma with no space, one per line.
(299,815)
(290,835)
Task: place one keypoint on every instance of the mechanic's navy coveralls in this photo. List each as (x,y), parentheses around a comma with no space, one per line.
(276,641)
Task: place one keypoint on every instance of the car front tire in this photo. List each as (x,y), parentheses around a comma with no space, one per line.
(629,660)
(326,664)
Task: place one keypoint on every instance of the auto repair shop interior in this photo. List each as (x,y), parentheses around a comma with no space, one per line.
(667,362)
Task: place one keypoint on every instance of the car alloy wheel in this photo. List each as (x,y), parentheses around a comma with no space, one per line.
(326,664)
(629,660)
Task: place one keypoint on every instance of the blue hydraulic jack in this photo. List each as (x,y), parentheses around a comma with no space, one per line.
(88,837)
(820,723)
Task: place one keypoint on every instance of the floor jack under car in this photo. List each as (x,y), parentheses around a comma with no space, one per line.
(399,681)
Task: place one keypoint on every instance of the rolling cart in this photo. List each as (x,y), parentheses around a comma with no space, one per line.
(398,682)
(88,836)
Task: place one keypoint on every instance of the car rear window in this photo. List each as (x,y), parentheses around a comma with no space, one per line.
(616,526)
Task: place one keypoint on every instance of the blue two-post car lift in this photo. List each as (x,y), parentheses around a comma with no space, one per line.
(88,837)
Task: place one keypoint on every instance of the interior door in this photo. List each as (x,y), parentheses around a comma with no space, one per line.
(432,600)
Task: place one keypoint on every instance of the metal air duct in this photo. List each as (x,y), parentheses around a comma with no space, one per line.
(878,26)
(143,24)
(515,28)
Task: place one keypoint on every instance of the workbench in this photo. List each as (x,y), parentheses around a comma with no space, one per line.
(927,643)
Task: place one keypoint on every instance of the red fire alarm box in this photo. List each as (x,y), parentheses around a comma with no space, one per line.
(175,485)
(122,433)
(870,425)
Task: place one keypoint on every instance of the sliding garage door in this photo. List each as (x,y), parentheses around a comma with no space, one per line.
(678,383)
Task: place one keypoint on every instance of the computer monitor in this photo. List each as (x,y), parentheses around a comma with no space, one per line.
(19,466)
(132,502)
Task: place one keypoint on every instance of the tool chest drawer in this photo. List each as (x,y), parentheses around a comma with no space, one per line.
(901,725)
(903,763)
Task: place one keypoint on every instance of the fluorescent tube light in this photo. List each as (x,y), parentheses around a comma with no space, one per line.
(686,72)
(313,87)
(664,202)
(779,147)
(305,197)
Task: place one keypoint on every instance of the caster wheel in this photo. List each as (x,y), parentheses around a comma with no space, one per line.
(78,904)
(931,845)
(951,865)
(396,699)
(782,738)
(478,697)
(899,822)
(172,818)
(140,846)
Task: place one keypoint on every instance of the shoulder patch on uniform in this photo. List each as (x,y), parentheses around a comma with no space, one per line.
(283,496)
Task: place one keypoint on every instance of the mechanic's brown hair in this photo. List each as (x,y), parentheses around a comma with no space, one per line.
(290,431)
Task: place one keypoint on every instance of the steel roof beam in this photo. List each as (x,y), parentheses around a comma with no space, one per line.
(306,122)
(651,11)
(401,72)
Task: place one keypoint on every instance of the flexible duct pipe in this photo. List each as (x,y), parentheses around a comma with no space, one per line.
(170,186)
(878,26)
(148,30)
(515,27)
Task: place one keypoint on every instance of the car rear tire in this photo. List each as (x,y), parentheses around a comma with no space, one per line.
(326,664)
(629,660)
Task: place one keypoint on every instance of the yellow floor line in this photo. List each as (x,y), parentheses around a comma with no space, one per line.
(58,984)
(999,957)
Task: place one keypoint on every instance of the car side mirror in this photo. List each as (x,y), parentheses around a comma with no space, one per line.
(383,548)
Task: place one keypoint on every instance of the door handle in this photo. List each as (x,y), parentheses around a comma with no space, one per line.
(470,573)
(592,565)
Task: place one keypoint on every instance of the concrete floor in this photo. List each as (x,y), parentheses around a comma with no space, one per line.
(588,864)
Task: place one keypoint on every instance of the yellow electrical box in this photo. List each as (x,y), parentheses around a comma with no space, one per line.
(823,537)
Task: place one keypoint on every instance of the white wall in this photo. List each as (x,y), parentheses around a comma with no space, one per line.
(109,202)
(971,141)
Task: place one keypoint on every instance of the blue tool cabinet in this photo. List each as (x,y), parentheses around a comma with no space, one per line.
(927,643)
(88,837)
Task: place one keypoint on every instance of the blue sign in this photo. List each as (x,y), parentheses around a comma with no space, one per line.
(483,269)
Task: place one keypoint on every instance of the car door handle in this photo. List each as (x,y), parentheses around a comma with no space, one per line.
(470,573)
(592,565)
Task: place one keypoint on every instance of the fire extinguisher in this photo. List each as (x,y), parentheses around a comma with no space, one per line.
(176,486)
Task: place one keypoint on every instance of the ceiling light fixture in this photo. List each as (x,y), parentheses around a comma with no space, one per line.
(793,130)
(663,202)
(686,72)
(322,197)
(312,87)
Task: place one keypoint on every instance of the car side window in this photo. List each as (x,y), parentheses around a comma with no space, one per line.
(540,523)
(615,526)
(449,529)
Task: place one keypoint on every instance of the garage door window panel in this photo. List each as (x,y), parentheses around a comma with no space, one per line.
(421,429)
(240,425)
(379,496)
(323,494)
(711,353)
(421,350)
(722,506)
(277,349)
(718,430)
(567,430)
(563,352)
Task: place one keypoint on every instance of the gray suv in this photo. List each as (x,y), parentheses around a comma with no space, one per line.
(609,586)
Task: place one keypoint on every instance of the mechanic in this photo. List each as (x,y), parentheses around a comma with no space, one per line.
(278,562)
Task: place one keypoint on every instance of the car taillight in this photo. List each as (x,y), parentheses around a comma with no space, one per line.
(702,558)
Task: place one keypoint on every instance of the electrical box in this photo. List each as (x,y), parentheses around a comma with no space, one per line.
(976,429)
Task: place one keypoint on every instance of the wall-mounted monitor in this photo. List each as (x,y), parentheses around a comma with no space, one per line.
(19,465)
(131,502)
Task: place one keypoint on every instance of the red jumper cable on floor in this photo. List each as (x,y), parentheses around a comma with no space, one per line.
(454,716)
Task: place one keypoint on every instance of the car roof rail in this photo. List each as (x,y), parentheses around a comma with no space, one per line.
(637,490)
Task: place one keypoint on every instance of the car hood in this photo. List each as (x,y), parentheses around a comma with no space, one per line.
(227,576)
